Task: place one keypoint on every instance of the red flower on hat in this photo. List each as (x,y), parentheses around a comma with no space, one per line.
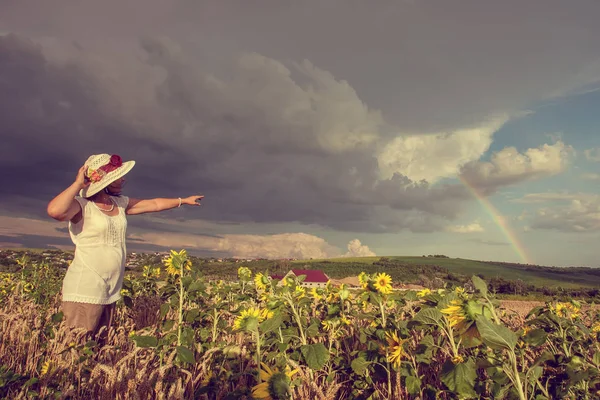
(114,163)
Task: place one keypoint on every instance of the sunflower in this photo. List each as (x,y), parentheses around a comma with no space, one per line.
(459,290)
(177,260)
(363,279)
(146,273)
(566,310)
(261,281)
(250,318)
(274,383)
(383,283)
(246,316)
(171,269)
(333,298)
(266,314)
(244,274)
(423,293)
(456,314)
(329,324)
(314,293)
(596,327)
(300,292)
(395,349)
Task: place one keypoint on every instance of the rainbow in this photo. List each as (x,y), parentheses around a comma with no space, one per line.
(500,221)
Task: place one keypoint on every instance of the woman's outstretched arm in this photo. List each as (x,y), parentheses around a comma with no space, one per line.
(138,206)
(64,207)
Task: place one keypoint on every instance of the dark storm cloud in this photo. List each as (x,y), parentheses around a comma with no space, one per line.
(429,65)
(271,141)
(261,147)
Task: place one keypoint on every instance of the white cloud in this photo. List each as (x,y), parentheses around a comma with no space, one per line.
(579,215)
(471,228)
(284,245)
(508,166)
(356,249)
(431,157)
(592,154)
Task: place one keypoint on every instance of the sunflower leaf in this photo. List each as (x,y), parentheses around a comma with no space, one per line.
(145,341)
(429,316)
(186,355)
(480,285)
(496,336)
(315,355)
(359,365)
(460,378)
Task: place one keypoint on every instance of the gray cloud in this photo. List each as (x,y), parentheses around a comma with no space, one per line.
(271,141)
(261,147)
(429,65)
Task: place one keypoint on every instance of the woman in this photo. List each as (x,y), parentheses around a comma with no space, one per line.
(96,212)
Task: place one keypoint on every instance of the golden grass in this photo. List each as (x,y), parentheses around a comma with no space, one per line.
(30,341)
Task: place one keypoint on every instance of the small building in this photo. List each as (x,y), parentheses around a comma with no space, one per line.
(314,277)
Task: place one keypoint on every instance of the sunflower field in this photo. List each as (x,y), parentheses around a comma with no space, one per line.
(177,335)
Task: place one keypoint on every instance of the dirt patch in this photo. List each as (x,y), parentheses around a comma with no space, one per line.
(522,307)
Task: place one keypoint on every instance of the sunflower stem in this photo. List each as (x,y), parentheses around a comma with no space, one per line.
(258,357)
(181,293)
(384,324)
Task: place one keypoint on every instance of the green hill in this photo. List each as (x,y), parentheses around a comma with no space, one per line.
(409,268)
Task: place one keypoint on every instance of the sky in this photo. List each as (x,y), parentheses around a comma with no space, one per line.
(314,129)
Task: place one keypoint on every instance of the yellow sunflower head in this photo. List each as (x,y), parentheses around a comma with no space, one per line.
(244,274)
(261,281)
(363,279)
(455,312)
(249,319)
(383,283)
(395,349)
(275,384)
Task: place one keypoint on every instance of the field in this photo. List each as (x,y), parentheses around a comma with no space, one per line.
(181,335)
(537,275)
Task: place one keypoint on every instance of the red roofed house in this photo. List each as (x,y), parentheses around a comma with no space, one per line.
(314,278)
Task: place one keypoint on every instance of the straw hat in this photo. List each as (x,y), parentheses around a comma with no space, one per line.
(104,169)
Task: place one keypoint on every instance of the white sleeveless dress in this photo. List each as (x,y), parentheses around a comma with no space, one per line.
(96,274)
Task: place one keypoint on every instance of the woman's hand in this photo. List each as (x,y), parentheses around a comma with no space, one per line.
(192,200)
(81,180)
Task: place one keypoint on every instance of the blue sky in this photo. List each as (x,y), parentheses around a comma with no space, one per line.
(314,129)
